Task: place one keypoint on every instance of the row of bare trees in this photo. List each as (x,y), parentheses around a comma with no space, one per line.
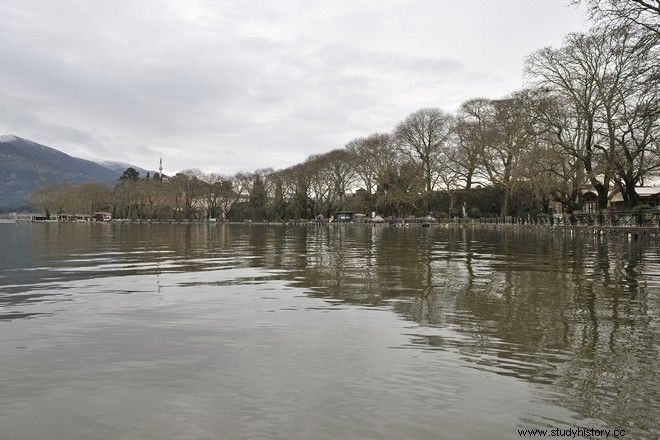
(65,197)
(190,195)
(589,117)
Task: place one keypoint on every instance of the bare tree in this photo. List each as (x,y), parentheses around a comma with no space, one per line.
(423,138)
(341,172)
(52,199)
(644,14)
(508,135)
(559,134)
(631,108)
(608,79)
(320,183)
(572,73)
(371,157)
(91,197)
(471,138)
(298,189)
(399,189)
(187,187)
(211,190)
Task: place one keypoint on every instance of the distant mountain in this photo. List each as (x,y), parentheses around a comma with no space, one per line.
(119,167)
(26,165)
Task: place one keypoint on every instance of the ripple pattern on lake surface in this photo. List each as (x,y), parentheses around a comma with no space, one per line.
(231,331)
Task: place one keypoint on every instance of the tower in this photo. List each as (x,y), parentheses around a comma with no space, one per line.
(160,169)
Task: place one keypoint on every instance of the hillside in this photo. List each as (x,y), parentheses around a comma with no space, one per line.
(26,165)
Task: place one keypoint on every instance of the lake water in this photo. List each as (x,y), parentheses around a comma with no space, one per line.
(241,332)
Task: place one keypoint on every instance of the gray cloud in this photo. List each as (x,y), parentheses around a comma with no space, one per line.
(230,85)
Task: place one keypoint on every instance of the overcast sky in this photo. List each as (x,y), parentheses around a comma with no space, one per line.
(231,85)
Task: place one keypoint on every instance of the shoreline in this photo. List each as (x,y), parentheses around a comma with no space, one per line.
(634,231)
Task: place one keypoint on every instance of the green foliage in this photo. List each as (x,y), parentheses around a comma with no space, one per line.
(130,173)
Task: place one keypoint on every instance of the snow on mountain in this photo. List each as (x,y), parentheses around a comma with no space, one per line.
(120,167)
(26,165)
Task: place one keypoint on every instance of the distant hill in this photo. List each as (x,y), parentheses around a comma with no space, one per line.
(26,165)
(119,167)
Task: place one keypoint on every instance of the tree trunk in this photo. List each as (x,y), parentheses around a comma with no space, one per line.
(504,211)
(602,192)
(468,181)
(630,193)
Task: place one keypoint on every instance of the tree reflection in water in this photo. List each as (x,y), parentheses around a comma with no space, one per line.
(574,313)
(570,314)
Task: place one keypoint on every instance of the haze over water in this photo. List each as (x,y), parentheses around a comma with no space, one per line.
(232,331)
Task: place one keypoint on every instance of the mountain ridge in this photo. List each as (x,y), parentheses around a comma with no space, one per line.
(119,166)
(26,165)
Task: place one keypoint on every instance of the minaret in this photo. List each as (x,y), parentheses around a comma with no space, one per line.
(160,169)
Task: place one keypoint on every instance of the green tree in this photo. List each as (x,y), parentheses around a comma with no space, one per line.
(130,173)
